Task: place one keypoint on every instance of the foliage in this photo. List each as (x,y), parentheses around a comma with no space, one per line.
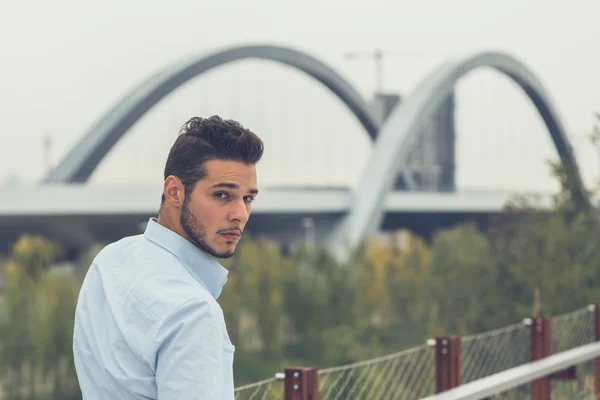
(36,326)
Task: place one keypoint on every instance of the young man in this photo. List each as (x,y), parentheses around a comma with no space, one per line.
(147,324)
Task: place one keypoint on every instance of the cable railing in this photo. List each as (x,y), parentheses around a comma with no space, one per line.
(573,329)
(407,374)
(448,362)
(537,375)
(490,352)
(269,389)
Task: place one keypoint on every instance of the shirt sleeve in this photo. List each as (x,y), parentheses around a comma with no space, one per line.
(189,353)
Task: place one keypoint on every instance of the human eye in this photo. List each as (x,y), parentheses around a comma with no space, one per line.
(249,199)
(221,195)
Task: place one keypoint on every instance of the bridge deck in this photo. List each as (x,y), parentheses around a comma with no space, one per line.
(77,215)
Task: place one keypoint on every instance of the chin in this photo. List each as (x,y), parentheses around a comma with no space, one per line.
(224,255)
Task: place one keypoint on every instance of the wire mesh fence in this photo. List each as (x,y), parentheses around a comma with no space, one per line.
(569,331)
(408,374)
(572,330)
(411,374)
(580,389)
(269,389)
(487,353)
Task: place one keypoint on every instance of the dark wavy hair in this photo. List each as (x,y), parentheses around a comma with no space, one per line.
(205,139)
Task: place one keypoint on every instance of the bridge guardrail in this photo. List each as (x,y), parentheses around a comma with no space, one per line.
(532,359)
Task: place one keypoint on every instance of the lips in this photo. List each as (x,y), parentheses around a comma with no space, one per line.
(231,235)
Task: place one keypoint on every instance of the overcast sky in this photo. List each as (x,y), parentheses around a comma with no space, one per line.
(65,62)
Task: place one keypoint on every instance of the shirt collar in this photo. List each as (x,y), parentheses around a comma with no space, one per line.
(201,266)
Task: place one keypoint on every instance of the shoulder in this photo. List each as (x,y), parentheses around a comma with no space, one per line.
(195,321)
(200,309)
(151,276)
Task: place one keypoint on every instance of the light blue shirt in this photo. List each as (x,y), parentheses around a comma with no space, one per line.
(147,324)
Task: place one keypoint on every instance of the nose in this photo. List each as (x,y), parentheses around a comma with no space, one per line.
(240,212)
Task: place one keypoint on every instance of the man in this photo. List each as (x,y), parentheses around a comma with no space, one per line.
(147,324)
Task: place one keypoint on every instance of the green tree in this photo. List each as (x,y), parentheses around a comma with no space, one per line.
(393,288)
(56,302)
(37,323)
(463,281)
(20,327)
(253,306)
(16,329)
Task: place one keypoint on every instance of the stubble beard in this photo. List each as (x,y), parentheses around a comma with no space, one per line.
(196,231)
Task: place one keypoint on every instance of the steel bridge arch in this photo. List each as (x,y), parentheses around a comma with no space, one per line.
(83,159)
(401,129)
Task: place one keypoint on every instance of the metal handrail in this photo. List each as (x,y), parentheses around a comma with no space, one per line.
(515,377)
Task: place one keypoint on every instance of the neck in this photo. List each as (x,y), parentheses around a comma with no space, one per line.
(169,221)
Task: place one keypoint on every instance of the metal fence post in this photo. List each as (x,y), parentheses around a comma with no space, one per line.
(541,347)
(447,363)
(301,384)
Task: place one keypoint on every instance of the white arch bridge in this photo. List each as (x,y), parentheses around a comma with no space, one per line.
(66,209)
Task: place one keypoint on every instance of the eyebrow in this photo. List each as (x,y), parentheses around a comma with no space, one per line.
(233,186)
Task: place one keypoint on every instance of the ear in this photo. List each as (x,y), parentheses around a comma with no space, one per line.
(174,191)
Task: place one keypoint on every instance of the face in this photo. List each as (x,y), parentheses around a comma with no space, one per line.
(215,214)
